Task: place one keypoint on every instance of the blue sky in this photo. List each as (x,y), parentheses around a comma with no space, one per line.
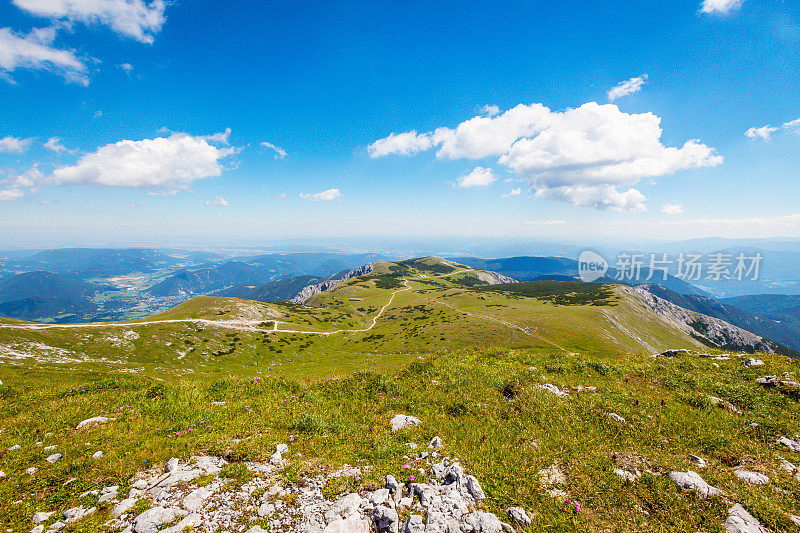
(134,92)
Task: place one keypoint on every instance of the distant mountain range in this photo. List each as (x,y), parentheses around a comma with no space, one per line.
(46,296)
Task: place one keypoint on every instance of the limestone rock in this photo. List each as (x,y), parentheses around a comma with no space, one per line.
(404,421)
(519,515)
(740,521)
(691,480)
(94,421)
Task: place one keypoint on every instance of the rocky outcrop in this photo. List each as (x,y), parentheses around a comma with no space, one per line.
(330,284)
(709,330)
(493,278)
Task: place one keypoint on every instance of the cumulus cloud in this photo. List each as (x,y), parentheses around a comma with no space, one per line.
(672,209)
(136,19)
(545,222)
(513,192)
(280,153)
(720,6)
(324,196)
(34,51)
(17,186)
(408,143)
(479,177)
(13,144)
(626,88)
(490,110)
(582,156)
(54,144)
(219,201)
(161,164)
(765,133)
(127,67)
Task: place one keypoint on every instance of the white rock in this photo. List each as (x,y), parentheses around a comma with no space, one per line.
(97,455)
(40,517)
(254,529)
(194,500)
(2,474)
(754,478)
(549,387)
(481,522)
(266,509)
(474,488)
(352,524)
(436,442)
(78,513)
(414,524)
(692,481)
(57,526)
(795,519)
(392,484)
(380,497)
(404,421)
(190,522)
(94,421)
(123,507)
(615,417)
(31,471)
(627,477)
(520,516)
(385,520)
(171,465)
(789,443)
(697,461)
(740,521)
(752,361)
(151,520)
(140,484)
(53,458)
(37,529)
(14,447)
(280,449)
(49,448)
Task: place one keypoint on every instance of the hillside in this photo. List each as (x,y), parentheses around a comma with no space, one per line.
(545,395)
(281,290)
(44,295)
(782,327)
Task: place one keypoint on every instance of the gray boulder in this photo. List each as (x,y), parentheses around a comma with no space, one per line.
(519,515)
(740,521)
(692,481)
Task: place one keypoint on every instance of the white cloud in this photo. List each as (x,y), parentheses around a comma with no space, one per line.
(490,110)
(764,133)
(54,144)
(720,6)
(324,196)
(13,144)
(672,209)
(626,88)
(34,51)
(545,222)
(127,67)
(513,192)
(479,177)
(219,201)
(9,195)
(785,221)
(164,163)
(580,155)
(137,19)
(408,143)
(280,153)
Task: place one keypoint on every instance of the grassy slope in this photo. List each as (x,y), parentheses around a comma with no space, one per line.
(471,379)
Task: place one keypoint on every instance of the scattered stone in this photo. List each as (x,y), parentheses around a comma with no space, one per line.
(795,519)
(171,465)
(481,522)
(436,442)
(414,524)
(280,449)
(194,500)
(2,474)
(520,516)
(97,455)
(754,478)
(385,519)
(740,521)
(697,461)
(78,513)
(404,421)
(254,529)
(49,448)
(549,387)
(108,493)
(36,529)
(691,480)
(53,458)
(675,352)
(123,507)
(392,484)
(151,520)
(768,381)
(752,361)
(352,524)
(789,443)
(31,471)
(187,524)
(615,417)
(94,421)
(627,477)
(475,489)
(13,448)
(57,526)
(140,484)
(40,517)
